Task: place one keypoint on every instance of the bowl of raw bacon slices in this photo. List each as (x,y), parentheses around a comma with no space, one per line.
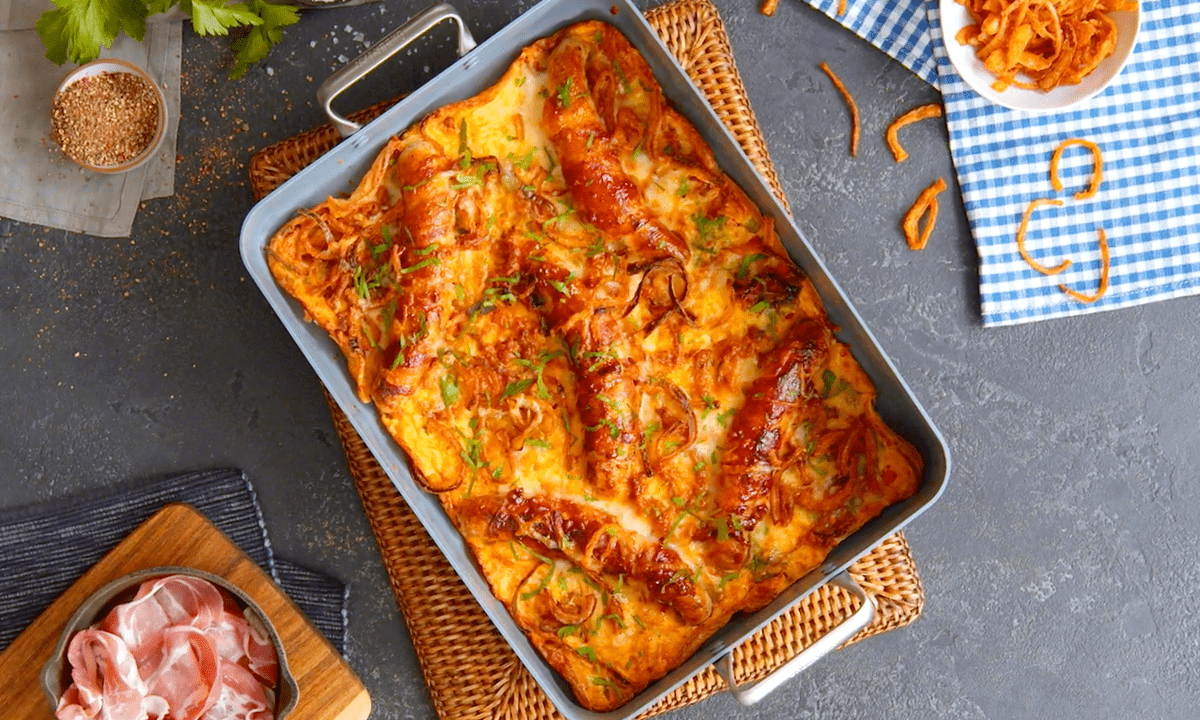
(169,643)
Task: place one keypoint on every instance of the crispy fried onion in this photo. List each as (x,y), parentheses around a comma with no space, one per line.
(669,424)
(926,203)
(657,288)
(554,595)
(1034,205)
(843,461)
(1103,275)
(892,135)
(1050,42)
(1097,167)
(854,124)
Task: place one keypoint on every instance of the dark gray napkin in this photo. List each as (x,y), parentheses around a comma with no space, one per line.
(46,547)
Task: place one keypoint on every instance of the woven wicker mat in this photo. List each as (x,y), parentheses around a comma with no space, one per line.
(470,670)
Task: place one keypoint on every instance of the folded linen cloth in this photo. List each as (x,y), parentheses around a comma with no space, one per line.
(45,547)
(1147,124)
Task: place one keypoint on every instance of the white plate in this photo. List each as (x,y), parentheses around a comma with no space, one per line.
(971,69)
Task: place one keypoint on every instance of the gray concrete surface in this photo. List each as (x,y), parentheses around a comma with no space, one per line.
(1061,564)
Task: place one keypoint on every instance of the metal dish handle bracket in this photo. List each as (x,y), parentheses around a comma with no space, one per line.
(378,53)
(751,693)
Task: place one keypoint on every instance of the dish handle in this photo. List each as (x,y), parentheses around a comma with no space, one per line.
(751,693)
(378,53)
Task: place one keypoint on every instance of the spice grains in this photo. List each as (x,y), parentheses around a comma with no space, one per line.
(105,119)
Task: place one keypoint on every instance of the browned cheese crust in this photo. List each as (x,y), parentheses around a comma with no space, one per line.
(594,349)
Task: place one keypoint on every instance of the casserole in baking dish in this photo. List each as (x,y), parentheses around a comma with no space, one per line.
(595,351)
(344,167)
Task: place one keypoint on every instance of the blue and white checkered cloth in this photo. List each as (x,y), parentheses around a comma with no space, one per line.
(1147,125)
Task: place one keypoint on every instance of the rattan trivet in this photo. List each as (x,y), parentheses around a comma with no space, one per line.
(470,670)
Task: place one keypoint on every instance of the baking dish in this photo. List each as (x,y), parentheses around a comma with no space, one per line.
(340,170)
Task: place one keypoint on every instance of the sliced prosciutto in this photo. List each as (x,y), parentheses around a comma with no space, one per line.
(181,649)
(105,683)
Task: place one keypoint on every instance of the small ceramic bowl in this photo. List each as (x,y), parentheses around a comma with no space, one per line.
(108,65)
(971,69)
(56,673)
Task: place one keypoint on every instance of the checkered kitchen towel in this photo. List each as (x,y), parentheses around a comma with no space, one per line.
(1148,126)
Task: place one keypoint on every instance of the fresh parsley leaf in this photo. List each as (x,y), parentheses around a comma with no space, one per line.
(258,40)
(77,28)
(214,17)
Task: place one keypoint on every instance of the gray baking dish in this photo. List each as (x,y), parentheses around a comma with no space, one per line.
(340,170)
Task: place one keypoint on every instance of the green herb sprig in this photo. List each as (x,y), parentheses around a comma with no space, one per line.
(76,29)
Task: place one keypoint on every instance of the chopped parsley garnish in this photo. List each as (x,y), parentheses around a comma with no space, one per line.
(464,150)
(538,443)
(587,652)
(597,247)
(601,357)
(561,285)
(744,265)
(423,264)
(367,332)
(525,160)
(621,74)
(515,388)
(557,218)
(613,431)
(613,617)
(449,386)
(834,385)
(361,284)
(541,586)
(564,93)
(707,230)
(382,247)
(543,359)
(566,630)
(646,433)
(683,187)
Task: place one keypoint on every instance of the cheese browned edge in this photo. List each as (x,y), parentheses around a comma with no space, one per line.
(596,352)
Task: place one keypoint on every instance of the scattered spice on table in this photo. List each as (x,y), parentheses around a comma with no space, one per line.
(105,119)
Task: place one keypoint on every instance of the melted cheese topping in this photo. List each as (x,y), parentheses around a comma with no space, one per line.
(595,350)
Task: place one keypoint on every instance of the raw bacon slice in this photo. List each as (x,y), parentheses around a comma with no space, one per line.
(105,680)
(242,696)
(169,601)
(181,649)
(237,641)
(188,677)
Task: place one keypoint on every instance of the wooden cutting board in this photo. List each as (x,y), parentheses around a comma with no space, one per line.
(178,535)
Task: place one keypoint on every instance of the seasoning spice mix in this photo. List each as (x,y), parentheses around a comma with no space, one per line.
(106,119)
